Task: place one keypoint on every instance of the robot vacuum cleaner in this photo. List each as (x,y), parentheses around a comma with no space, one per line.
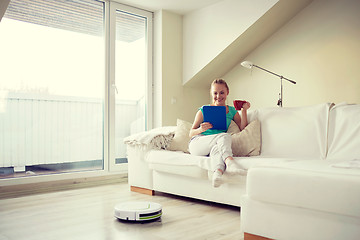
(138,211)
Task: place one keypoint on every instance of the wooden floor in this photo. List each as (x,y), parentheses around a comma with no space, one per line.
(87,213)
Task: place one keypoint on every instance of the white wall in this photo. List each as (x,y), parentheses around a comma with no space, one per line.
(208,31)
(319,48)
(172,100)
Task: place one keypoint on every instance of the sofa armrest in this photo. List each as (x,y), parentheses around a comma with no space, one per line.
(139,173)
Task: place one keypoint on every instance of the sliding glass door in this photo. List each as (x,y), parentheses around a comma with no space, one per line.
(52,82)
(75,80)
(130,77)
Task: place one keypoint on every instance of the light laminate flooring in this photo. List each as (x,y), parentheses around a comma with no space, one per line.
(88,213)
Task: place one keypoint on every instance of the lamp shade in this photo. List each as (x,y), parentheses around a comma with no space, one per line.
(247,64)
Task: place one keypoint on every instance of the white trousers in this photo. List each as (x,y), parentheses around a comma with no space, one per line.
(217,146)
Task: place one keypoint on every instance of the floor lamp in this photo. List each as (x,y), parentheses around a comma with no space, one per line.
(250,65)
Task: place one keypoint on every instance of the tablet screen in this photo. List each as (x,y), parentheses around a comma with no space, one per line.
(216,115)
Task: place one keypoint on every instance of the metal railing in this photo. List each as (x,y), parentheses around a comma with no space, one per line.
(57,129)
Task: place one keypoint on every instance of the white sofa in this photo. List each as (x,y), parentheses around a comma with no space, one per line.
(304,185)
(310,199)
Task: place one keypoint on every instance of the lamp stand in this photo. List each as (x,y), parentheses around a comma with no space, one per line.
(280,101)
(250,65)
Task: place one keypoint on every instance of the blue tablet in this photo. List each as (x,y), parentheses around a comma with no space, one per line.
(216,115)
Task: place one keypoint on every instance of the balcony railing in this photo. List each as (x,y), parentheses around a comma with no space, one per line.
(58,129)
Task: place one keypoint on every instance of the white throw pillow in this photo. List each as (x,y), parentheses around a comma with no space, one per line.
(344,132)
(181,138)
(294,132)
(248,141)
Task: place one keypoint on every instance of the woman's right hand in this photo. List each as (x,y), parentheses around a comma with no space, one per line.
(199,126)
(205,126)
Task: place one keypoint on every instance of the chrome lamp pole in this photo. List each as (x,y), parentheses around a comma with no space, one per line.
(250,65)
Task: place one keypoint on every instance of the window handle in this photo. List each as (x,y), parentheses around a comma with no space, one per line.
(116,90)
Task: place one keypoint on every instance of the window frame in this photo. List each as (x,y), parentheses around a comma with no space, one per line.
(110,78)
(110,168)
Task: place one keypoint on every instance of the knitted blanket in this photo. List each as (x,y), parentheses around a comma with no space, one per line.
(157,138)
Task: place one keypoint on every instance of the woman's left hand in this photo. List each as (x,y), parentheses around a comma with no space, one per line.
(246,106)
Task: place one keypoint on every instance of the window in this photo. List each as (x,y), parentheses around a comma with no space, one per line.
(59,111)
(132,48)
(52,86)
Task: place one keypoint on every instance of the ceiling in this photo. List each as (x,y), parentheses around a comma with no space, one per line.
(180,7)
(281,13)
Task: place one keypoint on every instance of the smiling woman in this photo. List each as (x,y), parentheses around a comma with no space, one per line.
(216,143)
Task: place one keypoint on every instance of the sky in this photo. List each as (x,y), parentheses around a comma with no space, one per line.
(48,61)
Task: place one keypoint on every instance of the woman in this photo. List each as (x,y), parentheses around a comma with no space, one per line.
(217,143)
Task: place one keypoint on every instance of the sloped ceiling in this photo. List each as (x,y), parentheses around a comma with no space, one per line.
(180,7)
(269,23)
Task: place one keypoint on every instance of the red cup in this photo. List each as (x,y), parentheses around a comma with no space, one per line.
(238,104)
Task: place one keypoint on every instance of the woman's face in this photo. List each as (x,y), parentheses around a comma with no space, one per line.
(219,94)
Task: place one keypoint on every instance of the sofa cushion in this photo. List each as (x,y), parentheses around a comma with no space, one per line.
(184,164)
(179,163)
(298,132)
(307,184)
(344,132)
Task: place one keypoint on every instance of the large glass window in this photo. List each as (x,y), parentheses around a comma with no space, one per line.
(130,78)
(130,68)
(75,79)
(52,82)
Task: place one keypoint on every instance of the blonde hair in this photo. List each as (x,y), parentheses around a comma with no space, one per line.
(220,81)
